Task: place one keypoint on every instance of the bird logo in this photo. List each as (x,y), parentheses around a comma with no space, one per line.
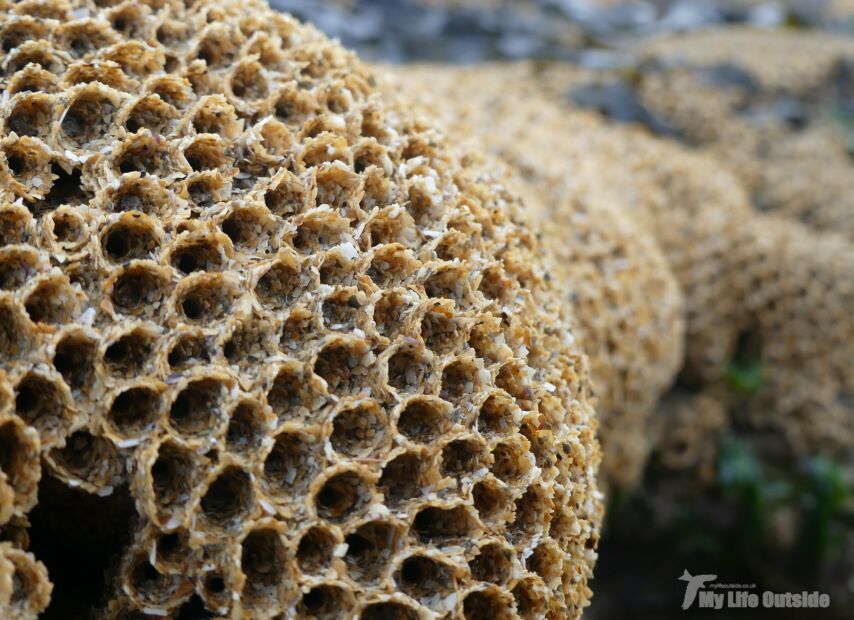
(694,584)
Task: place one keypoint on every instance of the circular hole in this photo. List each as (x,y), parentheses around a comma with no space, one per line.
(246,429)
(229,499)
(424,578)
(80,38)
(204,191)
(463,456)
(359,429)
(326,602)
(342,366)
(40,403)
(424,420)
(173,477)
(293,395)
(88,118)
(280,286)
(297,329)
(129,354)
(15,330)
(68,227)
(198,408)
(249,82)
(207,298)
(130,238)
(150,586)
(408,371)
(336,270)
(497,416)
(16,164)
(340,309)
(251,341)
(66,190)
(206,153)
(198,255)
(441,332)
(288,197)
(88,458)
(495,285)
(512,378)
(189,350)
(392,265)
(31,116)
(134,410)
(13,224)
(151,113)
(17,265)
(493,563)
(263,561)
(315,549)
(530,603)
(74,359)
(215,584)
(214,115)
(370,548)
(291,465)
(173,549)
(144,153)
(217,49)
(546,561)
(387,610)
(511,460)
(142,194)
(403,478)
(460,380)
(441,524)
(487,603)
(342,495)
(320,233)
(19,456)
(490,500)
(53,301)
(138,288)
(533,512)
(20,32)
(391,311)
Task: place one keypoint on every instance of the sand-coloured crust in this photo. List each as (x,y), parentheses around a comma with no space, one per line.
(24,586)
(627,308)
(745,284)
(770,105)
(318,352)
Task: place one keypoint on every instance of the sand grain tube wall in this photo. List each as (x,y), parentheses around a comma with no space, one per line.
(606,195)
(267,334)
(627,307)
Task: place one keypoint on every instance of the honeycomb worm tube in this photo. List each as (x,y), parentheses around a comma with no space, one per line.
(281,331)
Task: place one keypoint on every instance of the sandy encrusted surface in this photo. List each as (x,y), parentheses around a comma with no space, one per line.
(316,353)
(744,277)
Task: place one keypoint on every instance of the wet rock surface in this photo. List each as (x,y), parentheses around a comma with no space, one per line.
(589,31)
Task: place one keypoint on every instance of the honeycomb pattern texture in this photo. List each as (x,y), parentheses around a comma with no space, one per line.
(629,317)
(319,352)
(627,307)
(799,291)
(751,284)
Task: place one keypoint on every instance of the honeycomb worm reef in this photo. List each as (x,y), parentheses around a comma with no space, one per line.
(265,337)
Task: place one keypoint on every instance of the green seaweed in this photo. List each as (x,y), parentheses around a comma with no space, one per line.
(745,376)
